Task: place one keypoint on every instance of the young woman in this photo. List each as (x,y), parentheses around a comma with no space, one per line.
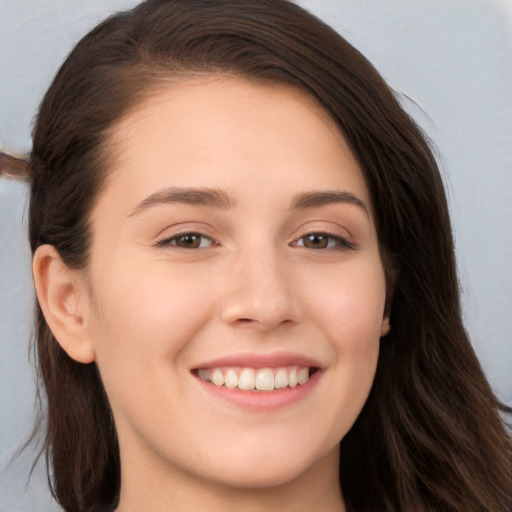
(247,295)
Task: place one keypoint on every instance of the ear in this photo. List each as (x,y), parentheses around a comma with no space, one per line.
(385,327)
(391,278)
(61,294)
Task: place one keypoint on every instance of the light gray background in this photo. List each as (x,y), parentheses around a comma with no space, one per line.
(450,62)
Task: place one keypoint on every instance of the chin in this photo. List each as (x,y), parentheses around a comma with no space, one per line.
(263,477)
(269,468)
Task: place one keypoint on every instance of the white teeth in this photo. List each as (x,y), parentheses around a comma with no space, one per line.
(265,379)
(218,377)
(262,379)
(302,375)
(247,379)
(231,379)
(281,379)
(292,378)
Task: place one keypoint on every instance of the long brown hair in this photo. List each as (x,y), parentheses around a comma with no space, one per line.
(430,436)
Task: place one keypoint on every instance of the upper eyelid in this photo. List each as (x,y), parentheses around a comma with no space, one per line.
(345,235)
(182,227)
(333,226)
(185,228)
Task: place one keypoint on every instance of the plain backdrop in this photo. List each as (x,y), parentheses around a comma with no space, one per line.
(450,63)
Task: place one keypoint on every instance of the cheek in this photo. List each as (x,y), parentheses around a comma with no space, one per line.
(145,321)
(350,315)
(147,314)
(350,307)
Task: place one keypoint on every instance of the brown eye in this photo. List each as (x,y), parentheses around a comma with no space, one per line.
(316,241)
(187,241)
(324,241)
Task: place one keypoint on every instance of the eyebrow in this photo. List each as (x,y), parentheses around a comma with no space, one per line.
(209,197)
(217,198)
(322,198)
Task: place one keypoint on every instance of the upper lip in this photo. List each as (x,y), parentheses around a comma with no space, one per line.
(258,360)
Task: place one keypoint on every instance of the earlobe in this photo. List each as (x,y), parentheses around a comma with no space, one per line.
(60,292)
(385,327)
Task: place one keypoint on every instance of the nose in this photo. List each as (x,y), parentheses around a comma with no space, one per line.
(260,292)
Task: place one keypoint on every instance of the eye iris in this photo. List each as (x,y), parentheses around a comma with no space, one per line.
(189,241)
(315,241)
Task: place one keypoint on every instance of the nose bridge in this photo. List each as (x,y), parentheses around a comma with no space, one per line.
(259,290)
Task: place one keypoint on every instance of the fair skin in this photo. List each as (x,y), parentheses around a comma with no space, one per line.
(234,235)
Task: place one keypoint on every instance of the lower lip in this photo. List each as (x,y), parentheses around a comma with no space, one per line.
(262,400)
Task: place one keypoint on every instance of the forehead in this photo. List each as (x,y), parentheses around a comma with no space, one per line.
(218,131)
(207,101)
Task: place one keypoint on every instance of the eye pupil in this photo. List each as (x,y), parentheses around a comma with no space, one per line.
(316,241)
(189,241)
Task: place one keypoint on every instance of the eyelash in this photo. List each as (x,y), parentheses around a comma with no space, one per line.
(172,241)
(340,243)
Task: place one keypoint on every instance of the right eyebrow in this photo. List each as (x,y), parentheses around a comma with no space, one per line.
(210,197)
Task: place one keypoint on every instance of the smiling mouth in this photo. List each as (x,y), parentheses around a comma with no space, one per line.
(256,379)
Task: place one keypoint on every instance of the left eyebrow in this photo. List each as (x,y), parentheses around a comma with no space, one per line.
(209,197)
(322,198)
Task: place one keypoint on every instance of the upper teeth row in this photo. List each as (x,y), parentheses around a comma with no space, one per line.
(263,379)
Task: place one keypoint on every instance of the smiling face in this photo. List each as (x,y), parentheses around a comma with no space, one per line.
(234,247)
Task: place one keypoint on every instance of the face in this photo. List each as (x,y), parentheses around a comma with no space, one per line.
(236,286)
